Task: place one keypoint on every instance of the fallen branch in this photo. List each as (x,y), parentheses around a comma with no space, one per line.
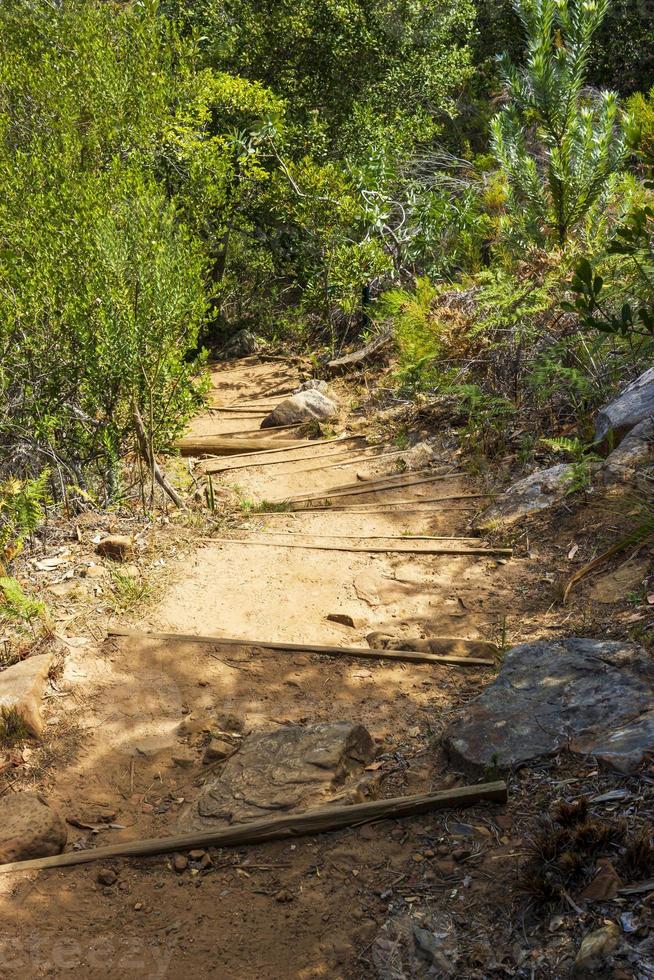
(364,653)
(505,552)
(153,466)
(316,821)
(640,889)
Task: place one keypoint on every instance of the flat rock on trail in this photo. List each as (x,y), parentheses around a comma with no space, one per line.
(144,710)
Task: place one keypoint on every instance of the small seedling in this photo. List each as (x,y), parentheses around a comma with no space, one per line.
(129,590)
(12,727)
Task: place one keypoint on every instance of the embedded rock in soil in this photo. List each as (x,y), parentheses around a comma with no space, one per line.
(406,947)
(313,384)
(304,407)
(595,949)
(216,750)
(634,404)
(614,586)
(538,491)
(635,451)
(241,344)
(593,697)
(21,690)
(343,619)
(29,828)
(276,772)
(116,546)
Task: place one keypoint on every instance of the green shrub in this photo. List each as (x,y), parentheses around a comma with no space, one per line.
(558,145)
(101,282)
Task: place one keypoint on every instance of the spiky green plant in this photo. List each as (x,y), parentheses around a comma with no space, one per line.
(558,144)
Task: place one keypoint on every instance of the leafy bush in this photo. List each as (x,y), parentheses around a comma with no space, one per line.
(624,307)
(101,283)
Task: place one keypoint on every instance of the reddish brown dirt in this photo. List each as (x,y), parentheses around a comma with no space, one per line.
(312,908)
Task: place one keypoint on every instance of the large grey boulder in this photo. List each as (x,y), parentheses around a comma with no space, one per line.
(592,697)
(292,768)
(303,407)
(634,452)
(535,492)
(632,405)
(29,828)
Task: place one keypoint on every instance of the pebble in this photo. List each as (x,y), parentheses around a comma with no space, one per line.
(596,947)
(180,863)
(106,876)
(216,750)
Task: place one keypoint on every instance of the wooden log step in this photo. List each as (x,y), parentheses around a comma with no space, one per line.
(208,465)
(455,644)
(239,411)
(503,552)
(372,486)
(330,455)
(363,508)
(234,445)
(315,821)
(362,537)
(261,433)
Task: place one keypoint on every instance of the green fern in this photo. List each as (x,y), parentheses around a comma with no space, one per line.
(562,444)
(22,509)
(415,332)
(15,606)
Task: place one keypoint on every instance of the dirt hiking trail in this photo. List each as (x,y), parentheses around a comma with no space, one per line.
(140,711)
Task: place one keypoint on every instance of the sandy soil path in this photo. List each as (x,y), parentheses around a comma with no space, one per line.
(303,910)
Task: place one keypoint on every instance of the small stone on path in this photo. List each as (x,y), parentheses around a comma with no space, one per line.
(343,619)
(106,876)
(595,949)
(216,750)
(180,863)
